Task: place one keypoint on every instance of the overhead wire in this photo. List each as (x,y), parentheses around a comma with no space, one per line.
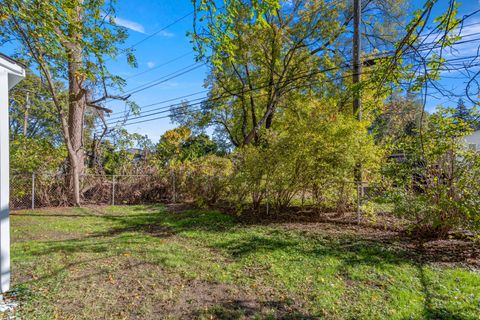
(159,66)
(196,93)
(152,35)
(161,80)
(227,96)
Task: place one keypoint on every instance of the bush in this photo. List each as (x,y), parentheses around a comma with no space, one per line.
(437,185)
(205,180)
(313,156)
(308,160)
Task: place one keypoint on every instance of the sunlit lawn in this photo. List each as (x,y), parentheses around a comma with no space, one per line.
(142,262)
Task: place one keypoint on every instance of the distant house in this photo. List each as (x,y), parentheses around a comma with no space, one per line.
(138,154)
(473,141)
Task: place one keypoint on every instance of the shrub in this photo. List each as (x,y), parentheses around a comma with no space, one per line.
(438,183)
(204,180)
(314,155)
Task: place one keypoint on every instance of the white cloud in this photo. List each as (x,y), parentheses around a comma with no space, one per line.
(169,85)
(130,25)
(137,27)
(468,44)
(166,34)
(150,64)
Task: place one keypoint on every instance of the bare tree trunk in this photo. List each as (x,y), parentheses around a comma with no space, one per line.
(76,105)
(73,123)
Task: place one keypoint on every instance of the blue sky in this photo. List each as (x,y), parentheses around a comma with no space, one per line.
(456,81)
(144,18)
(147,17)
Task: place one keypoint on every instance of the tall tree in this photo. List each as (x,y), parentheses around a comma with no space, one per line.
(462,112)
(68,40)
(264,53)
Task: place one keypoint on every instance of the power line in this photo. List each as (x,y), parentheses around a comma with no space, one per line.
(250,90)
(203,100)
(380,54)
(333,3)
(158,81)
(168,77)
(160,65)
(193,110)
(144,87)
(227,96)
(161,80)
(210,100)
(163,102)
(152,35)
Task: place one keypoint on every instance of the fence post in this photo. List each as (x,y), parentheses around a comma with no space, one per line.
(33,190)
(113,190)
(268,202)
(174,195)
(359,200)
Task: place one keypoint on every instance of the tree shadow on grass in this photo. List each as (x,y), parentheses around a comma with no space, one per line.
(351,250)
(251,309)
(430,311)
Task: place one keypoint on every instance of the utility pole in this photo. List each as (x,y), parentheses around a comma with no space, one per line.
(357,101)
(25,116)
(357,65)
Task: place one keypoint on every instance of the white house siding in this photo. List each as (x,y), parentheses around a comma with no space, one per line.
(10,74)
(473,141)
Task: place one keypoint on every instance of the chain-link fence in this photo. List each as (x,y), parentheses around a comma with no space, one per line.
(22,193)
(36,190)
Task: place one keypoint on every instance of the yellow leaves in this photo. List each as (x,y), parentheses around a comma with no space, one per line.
(4,16)
(177,135)
(80,76)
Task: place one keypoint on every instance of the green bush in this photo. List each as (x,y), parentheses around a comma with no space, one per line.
(205,180)
(437,185)
(313,156)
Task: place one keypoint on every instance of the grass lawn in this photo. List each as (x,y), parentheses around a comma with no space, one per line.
(147,262)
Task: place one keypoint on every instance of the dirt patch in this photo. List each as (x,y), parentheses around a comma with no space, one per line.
(126,288)
(448,252)
(201,299)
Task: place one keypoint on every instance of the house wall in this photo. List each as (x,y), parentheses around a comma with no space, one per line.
(4,184)
(11,73)
(473,141)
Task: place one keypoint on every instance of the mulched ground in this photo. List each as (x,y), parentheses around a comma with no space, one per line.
(460,248)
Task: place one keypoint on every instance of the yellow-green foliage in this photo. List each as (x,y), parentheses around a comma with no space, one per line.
(437,184)
(311,154)
(35,155)
(205,180)
(316,151)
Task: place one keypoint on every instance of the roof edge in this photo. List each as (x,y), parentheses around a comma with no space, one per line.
(11,60)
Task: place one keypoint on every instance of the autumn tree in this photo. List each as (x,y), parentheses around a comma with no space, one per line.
(180,144)
(264,53)
(68,40)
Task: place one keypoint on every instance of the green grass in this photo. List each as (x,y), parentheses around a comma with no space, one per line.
(141,262)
